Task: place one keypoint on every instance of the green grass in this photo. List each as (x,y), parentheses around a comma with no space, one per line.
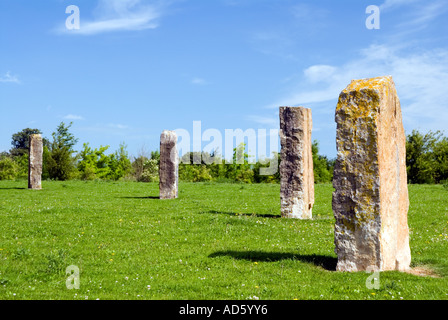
(217,241)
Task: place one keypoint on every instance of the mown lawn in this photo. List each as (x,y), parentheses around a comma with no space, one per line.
(217,241)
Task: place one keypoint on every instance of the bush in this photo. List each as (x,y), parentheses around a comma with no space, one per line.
(8,169)
(150,172)
(445,184)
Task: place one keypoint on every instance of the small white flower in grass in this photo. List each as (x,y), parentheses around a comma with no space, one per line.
(148,287)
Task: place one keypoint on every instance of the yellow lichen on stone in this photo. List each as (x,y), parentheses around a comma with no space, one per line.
(377,83)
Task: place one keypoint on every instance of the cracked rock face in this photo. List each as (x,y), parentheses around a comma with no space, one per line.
(169,165)
(35,162)
(296,166)
(370,200)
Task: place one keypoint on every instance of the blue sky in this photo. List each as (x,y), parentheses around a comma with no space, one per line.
(137,67)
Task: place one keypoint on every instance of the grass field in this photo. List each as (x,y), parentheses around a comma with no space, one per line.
(217,241)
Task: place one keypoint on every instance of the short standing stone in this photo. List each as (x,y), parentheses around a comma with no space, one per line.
(370,201)
(169,164)
(35,162)
(296,166)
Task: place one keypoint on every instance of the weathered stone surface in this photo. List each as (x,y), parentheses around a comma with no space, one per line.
(35,162)
(169,165)
(370,201)
(296,166)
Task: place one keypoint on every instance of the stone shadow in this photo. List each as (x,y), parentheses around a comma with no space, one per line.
(150,197)
(326,262)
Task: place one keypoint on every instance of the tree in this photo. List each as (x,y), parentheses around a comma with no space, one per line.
(189,171)
(8,169)
(20,141)
(93,163)
(440,156)
(323,167)
(119,163)
(420,161)
(60,161)
(274,178)
(240,170)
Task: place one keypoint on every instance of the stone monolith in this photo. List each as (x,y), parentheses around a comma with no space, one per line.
(35,162)
(296,166)
(169,164)
(370,200)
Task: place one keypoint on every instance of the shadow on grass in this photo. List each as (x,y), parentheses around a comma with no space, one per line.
(267,215)
(13,188)
(150,197)
(326,262)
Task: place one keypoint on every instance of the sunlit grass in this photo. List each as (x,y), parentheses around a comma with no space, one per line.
(217,241)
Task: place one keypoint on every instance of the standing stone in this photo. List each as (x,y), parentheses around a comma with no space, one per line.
(35,162)
(169,164)
(296,166)
(370,201)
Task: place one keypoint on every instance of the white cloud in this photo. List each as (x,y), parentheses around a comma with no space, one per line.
(198,81)
(118,126)
(73,117)
(265,120)
(421,79)
(396,3)
(320,73)
(118,15)
(9,78)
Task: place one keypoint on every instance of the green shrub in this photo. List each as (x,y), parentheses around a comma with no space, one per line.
(150,171)
(8,169)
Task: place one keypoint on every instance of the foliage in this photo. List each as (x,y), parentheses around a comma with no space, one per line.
(22,165)
(445,184)
(150,172)
(95,164)
(120,164)
(61,164)
(275,178)
(192,171)
(426,161)
(323,167)
(20,141)
(8,168)
(426,157)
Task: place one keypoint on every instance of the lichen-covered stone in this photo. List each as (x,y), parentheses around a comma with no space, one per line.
(169,165)
(370,201)
(35,162)
(296,166)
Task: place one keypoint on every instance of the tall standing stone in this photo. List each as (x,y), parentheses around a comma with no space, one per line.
(169,165)
(35,162)
(296,166)
(370,201)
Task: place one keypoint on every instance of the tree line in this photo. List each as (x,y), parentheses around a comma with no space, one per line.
(426,161)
